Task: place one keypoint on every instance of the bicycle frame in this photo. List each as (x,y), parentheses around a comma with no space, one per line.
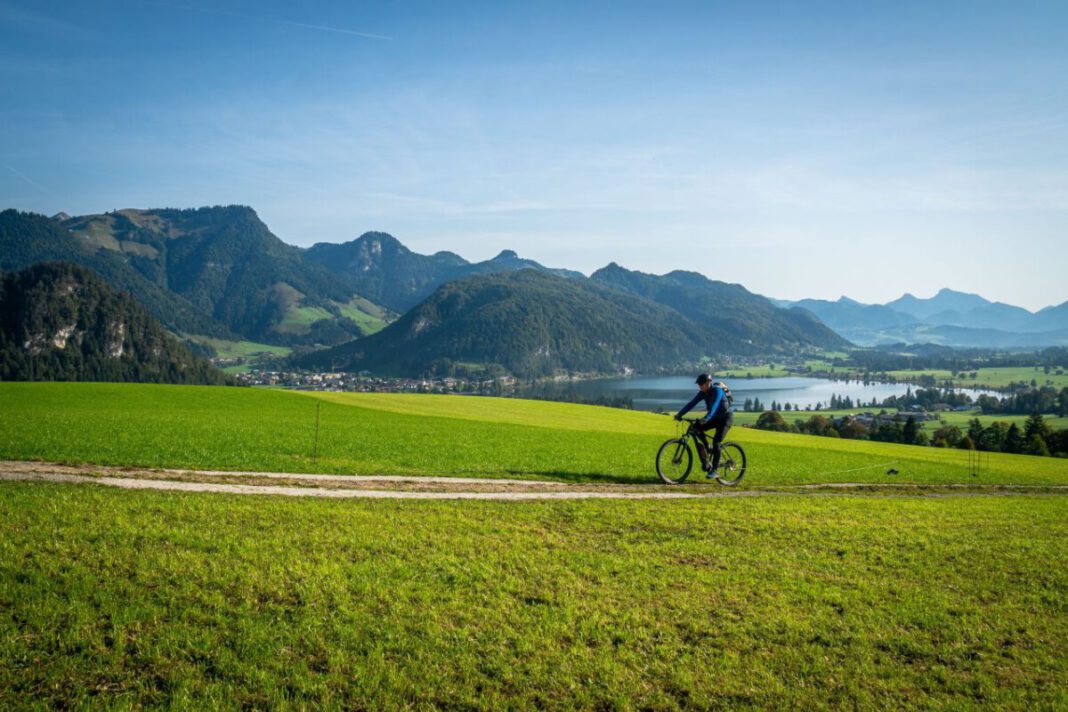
(694,434)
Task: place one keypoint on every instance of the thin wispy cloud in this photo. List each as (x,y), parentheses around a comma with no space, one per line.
(29,180)
(275,21)
(21,20)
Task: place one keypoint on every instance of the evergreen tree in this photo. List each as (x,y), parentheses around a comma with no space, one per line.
(1014,440)
(1036,425)
(1036,446)
(908,435)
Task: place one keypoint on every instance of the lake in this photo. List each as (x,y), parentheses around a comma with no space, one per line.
(672,392)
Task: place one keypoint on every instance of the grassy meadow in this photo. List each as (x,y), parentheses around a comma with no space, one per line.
(265,430)
(240,349)
(128,599)
(991,377)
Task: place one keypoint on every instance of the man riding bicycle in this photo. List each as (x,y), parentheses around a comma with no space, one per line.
(719,416)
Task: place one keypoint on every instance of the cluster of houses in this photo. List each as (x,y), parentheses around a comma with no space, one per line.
(364,383)
(874,420)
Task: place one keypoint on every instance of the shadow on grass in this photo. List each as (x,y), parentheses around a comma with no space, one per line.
(582,477)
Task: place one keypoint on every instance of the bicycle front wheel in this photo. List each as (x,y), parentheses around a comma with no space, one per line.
(673,461)
(731,464)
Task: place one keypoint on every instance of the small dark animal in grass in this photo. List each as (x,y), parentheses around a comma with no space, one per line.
(892,471)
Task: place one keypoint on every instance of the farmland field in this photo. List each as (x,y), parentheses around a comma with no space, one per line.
(236,349)
(991,377)
(251,429)
(126,599)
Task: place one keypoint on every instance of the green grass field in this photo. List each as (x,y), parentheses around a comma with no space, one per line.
(259,429)
(240,349)
(370,317)
(991,377)
(128,599)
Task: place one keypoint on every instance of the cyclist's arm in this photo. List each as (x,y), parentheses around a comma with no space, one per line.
(715,405)
(686,408)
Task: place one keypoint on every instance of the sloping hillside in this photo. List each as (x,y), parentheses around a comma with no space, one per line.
(735,319)
(528,323)
(60,322)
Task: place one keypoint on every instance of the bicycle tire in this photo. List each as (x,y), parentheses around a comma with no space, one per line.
(674,460)
(732,463)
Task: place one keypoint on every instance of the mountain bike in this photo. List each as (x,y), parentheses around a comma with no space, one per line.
(675,458)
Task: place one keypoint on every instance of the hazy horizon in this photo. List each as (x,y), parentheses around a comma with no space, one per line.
(803,152)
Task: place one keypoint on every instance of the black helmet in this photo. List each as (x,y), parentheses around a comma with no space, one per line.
(703,379)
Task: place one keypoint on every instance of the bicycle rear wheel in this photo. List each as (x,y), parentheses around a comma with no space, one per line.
(673,461)
(731,464)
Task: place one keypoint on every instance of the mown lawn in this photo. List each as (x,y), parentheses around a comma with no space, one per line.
(132,598)
(271,430)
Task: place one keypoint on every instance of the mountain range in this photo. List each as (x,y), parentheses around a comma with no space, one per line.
(525,322)
(220,272)
(949,318)
(379,267)
(534,323)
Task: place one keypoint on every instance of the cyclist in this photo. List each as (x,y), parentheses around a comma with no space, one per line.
(719,416)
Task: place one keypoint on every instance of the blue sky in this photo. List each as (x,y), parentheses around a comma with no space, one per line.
(803,149)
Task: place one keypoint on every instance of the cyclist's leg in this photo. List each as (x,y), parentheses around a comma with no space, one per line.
(703,447)
(722,426)
(701,428)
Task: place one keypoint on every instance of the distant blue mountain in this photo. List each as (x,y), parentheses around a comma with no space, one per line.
(949,318)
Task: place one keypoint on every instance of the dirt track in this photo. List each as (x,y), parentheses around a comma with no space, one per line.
(340,486)
(412,487)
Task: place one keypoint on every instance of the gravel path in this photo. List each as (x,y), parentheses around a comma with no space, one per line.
(529,494)
(438,488)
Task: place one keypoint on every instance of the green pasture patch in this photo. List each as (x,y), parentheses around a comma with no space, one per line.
(139,248)
(298,320)
(368,316)
(240,349)
(1000,377)
(101,232)
(130,599)
(961,420)
(275,430)
(514,411)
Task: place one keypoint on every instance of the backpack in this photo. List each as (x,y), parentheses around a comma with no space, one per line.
(726,392)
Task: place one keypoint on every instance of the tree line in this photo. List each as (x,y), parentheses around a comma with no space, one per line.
(1035,438)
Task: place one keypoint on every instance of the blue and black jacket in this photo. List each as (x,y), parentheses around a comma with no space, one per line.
(715,401)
